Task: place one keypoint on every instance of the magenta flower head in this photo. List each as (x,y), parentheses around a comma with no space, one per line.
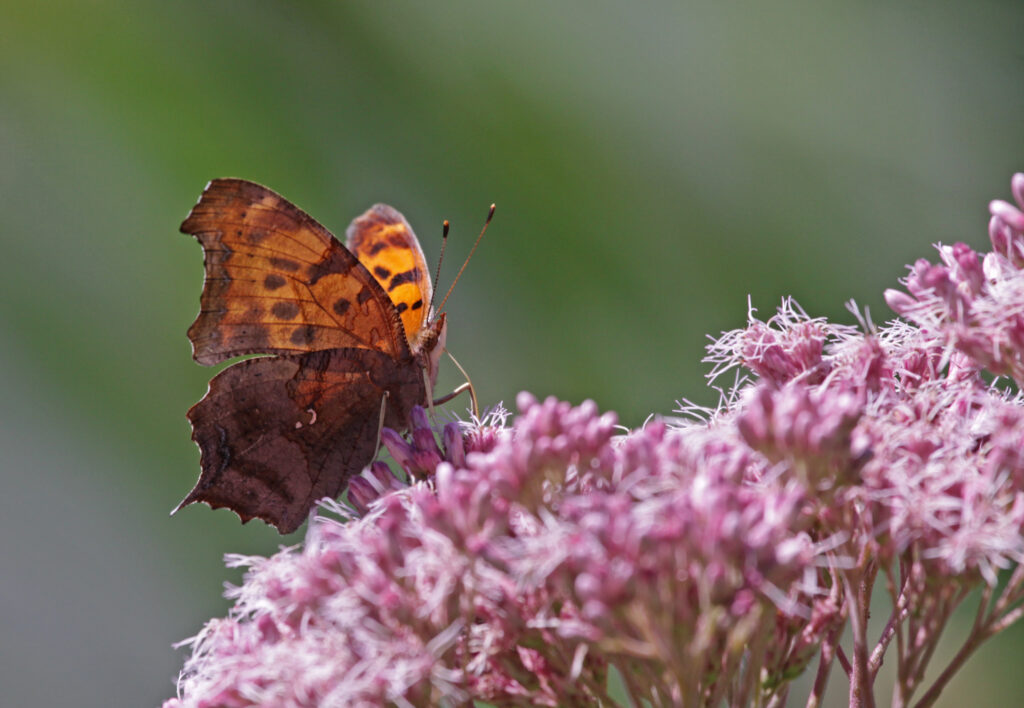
(810,429)
(553,558)
(1006,228)
(417,458)
(789,346)
(975,306)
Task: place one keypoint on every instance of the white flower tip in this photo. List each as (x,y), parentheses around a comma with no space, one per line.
(1008,213)
(899,301)
(524,400)
(1017,187)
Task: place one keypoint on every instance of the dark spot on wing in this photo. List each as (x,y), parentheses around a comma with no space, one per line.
(303,335)
(417,305)
(341,306)
(273,281)
(401,307)
(409,276)
(363,296)
(338,263)
(284,264)
(284,310)
(381,272)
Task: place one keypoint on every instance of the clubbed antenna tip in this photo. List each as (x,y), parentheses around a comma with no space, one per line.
(490,215)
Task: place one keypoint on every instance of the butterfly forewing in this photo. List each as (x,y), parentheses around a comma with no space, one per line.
(277,282)
(384,242)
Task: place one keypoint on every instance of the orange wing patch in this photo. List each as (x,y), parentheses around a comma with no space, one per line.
(383,241)
(277,282)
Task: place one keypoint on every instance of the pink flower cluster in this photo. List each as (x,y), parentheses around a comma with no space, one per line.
(975,306)
(563,561)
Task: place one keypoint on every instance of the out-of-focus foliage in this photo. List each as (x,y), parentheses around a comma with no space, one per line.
(652,164)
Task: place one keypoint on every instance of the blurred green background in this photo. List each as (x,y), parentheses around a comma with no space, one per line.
(653,164)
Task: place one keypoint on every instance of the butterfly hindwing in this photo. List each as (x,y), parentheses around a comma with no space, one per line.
(278,282)
(278,433)
(384,242)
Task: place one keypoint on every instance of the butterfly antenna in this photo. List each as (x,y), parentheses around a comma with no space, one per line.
(440,260)
(490,215)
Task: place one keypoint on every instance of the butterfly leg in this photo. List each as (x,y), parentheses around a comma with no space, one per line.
(458,389)
(380,422)
(468,386)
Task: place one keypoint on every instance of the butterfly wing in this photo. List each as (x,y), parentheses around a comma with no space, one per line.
(277,282)
(278,433)
(384,242)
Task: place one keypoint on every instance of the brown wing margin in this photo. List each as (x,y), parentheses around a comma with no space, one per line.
(278,433)
(277,282)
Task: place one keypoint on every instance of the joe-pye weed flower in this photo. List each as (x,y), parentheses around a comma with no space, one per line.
(707,559)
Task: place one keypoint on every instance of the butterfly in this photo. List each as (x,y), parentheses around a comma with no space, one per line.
(345,332)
